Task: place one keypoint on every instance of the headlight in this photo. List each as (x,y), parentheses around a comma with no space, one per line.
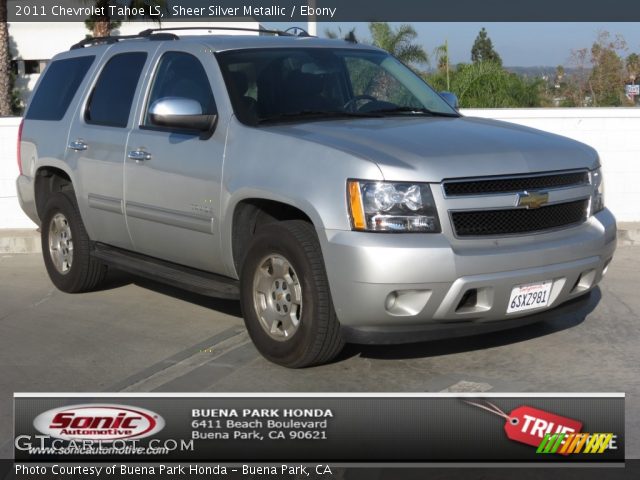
(597,198)
(392,207)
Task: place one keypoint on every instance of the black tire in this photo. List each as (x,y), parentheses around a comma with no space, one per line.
(85,273)
(317,339)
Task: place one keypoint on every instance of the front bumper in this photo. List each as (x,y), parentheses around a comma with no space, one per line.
(570,312)
(417,282)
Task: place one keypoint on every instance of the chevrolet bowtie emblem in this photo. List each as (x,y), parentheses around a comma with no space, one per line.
(532,199)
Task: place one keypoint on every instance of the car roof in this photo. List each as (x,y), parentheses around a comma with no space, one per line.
(220,43)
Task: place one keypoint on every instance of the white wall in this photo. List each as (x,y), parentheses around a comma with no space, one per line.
(11,215)
(614,132)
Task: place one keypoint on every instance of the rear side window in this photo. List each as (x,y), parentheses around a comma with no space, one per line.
(111,99)
(58,87)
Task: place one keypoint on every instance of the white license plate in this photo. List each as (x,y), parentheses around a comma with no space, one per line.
(529,296)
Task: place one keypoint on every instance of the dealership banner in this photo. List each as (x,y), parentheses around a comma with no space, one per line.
(326,10)
(558,429)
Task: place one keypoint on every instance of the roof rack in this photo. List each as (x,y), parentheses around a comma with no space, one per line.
(164,34)
(91,41)
(285,33)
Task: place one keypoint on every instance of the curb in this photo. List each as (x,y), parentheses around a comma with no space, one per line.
(24,240)
(28,240)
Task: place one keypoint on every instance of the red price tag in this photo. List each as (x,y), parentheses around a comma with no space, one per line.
(529,425)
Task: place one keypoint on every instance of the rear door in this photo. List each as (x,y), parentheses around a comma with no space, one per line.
(172,196)
(98,138)
(50,110)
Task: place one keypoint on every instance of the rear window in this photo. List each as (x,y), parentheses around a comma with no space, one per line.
(111,100)
(58,87)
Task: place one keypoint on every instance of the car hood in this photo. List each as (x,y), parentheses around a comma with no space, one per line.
(432,149)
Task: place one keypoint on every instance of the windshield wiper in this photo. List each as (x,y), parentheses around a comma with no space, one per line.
(413,111)
(311,114)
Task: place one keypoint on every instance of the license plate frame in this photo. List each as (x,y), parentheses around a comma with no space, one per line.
(529,296)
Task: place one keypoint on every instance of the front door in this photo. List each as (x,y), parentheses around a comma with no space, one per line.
(172,177)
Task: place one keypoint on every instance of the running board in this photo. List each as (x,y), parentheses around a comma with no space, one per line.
(197,281)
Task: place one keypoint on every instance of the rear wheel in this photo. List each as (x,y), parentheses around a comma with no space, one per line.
(285,296)
(66,247)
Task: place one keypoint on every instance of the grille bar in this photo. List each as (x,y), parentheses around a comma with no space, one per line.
(515,184)
(518,221)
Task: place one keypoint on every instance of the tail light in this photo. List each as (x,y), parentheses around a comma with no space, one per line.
(19,149)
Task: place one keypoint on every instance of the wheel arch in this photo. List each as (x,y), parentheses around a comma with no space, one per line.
(249,213)
(48,180)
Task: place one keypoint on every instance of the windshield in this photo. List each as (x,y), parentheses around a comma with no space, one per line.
(302,84)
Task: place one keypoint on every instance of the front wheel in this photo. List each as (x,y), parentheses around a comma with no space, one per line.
(285,298)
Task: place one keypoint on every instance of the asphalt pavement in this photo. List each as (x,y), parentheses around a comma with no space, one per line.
(137,335)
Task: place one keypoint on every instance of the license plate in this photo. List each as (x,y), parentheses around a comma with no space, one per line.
(529,296)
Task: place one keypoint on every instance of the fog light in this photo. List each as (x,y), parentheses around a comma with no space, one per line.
(391,301)
(405,303)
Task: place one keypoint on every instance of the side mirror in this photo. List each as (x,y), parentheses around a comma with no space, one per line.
(182,113)
(451,99)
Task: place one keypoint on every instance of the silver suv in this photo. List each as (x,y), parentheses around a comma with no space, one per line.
(322,183)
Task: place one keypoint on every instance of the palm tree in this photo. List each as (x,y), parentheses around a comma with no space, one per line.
(441,53)
(399,42)
(5,63)
(101,25)
(350,36)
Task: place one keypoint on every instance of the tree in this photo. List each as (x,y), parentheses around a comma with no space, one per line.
(101,25)
(399,42)
(488,85)
(441,53)
(5,63)
(482,49)
(633,66)
(350,36)
(576,86)
(606,82)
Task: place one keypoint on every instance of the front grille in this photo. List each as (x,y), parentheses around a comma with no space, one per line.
(520,220)
(515,184)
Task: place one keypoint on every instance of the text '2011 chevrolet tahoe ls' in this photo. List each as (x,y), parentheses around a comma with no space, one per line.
(322,183)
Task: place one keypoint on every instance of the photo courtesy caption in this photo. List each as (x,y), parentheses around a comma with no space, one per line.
(162,469)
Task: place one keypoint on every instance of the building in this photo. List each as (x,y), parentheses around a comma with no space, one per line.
(33,44)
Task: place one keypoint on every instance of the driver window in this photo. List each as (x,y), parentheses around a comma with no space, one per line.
(181,75)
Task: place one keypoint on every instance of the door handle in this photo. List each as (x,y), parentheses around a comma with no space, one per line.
(139,155)
(78,145)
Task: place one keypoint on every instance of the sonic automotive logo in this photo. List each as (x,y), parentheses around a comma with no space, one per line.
(104,422)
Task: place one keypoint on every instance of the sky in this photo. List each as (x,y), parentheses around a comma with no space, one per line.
(519,44)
